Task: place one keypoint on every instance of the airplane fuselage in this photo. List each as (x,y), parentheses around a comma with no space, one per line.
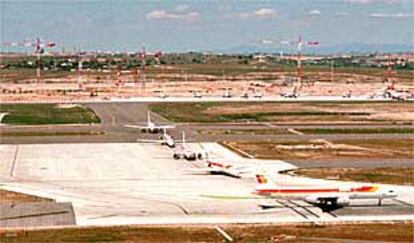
(333,196)
(167,140)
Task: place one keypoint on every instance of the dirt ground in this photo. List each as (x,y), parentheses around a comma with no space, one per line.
(289,112)
(397,232)
(170,80)
(325,150)
(400,176)
(9,196)
(369,111)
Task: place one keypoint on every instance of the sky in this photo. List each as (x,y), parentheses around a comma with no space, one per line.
(176,26)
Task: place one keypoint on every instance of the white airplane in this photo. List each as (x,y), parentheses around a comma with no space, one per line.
(165,139)
(291,94)
(245,95)
(392,94)
(399,95)
(188,153)
(244,168)
(151,127)
(217,168)
(227,93)
(257,94)
(327,198)
(348,94)
(197,94)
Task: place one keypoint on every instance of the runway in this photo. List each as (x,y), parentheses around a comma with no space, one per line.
(140,99)
(132,183)
(117,114)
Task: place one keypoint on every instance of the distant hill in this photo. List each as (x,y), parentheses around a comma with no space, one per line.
(323,50)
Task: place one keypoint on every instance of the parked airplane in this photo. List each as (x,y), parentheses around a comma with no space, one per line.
(294,93)
(197,94)
(151,127)
(227,93)
(240,168)
(328,198)
(165,139)
(188,153)
(398,95)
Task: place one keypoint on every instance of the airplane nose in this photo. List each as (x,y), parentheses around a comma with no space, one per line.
(390,194)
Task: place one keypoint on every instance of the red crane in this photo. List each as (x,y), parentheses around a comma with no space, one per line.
(39,48)
(143,57)
(298,46)
(389,73)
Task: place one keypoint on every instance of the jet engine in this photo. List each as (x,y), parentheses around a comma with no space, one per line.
(343,201)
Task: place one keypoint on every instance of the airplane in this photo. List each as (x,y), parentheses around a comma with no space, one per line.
(391,94)
(257,94)
(327,198)
(398,95)
(197,94)
(227,93)
(217,168)
(348,94)
(291,94)
(165,139)
(151,127)
(244,168)
(188,153)
(245,95)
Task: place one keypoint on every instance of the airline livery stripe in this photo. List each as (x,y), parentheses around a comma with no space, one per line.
(317,190)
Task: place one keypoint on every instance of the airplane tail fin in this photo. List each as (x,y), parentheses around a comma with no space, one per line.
(263,183)
(261,179)
(183,138)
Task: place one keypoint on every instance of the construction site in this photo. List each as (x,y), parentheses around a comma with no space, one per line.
(146,75)
(296,141)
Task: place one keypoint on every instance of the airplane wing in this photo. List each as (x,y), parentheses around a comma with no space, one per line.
(164,127)
(136,126)
(236,172)
(210,171)
(148,141)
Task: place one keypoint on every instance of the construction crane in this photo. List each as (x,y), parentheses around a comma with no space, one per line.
(143,57)
(80,56)
(298,45)
(389,73)
(39,47)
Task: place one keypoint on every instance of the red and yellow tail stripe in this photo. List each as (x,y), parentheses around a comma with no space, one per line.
(261,179)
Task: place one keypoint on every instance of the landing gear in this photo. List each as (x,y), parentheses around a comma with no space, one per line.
(379,202)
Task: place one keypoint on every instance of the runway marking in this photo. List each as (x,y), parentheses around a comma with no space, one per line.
(270,125)
(304,208)
(35,215)
(295,132)
(104,216)
(403,202)
(224,234)
(241,151)
(14,161)
(292,208)
(332,214)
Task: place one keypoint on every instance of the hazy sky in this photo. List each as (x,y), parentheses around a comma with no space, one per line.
(205,25)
